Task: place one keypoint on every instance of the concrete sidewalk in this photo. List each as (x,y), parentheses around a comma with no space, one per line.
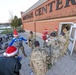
(65,66)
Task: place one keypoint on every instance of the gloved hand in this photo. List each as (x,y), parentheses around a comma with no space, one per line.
(29,40)
(19,58)
(26,42)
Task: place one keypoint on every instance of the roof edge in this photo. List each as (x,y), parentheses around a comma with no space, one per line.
(34,6)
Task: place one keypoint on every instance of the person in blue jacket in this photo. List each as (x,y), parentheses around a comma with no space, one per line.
(17,42)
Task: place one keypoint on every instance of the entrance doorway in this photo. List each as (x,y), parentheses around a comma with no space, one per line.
(64,25)
(69,26)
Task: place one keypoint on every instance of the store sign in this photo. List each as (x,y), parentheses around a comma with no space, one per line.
(28,16)
(44,9)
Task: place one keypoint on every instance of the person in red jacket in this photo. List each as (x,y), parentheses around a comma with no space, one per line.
(44,37)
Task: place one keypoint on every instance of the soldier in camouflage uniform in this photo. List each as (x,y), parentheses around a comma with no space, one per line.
(58,45)
(54,50)
(39,60)
(67,40)
(31,40)
(64,42)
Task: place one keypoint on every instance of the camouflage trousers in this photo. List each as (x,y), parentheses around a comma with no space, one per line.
(44,44)
(31,44)
(22,49)
(38,67)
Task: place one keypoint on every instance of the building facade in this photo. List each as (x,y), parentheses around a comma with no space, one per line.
(49,14)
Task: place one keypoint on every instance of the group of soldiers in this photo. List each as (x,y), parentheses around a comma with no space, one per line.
(57,45)
(39,59)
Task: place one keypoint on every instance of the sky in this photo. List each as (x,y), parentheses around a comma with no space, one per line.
(9,8)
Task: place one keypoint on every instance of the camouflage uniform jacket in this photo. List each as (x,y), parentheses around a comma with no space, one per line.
(39,61)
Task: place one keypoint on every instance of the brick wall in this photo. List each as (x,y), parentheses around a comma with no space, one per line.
(50,20)
(49,24)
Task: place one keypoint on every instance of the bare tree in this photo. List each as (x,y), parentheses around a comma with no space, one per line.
(11,16)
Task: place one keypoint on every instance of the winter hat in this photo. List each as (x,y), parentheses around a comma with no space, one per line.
(56,29)
(53,34)
(36,43)
(46,29)
(15,32)
(31,32)
(11,51)
(44,33)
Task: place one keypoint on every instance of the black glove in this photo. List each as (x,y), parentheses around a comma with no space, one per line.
(29,40)
(26,42)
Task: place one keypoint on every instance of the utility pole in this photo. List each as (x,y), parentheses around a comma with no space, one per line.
(35,28)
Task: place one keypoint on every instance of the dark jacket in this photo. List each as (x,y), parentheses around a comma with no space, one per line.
(9,66)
